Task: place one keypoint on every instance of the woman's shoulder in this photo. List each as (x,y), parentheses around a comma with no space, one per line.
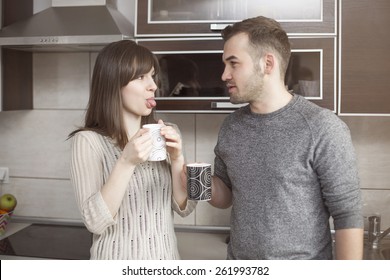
(92,137)
(88,139)
(87,134)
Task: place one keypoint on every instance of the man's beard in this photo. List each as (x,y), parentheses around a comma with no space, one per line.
(252,90)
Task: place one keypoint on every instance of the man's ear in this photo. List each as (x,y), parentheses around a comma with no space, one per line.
(269,60)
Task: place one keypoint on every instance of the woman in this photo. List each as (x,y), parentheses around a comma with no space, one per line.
(125,200)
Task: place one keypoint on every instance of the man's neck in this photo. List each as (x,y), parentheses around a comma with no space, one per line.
(271,102)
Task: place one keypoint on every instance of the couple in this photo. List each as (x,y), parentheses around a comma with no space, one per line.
(284,164)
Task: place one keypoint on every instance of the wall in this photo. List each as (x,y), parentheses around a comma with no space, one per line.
(33,145)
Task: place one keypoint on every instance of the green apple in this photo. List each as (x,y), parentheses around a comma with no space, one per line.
(7,202)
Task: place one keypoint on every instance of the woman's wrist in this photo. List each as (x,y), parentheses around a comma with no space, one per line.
(179,158)
(125,163)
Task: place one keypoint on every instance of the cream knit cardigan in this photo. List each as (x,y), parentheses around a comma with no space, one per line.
(143,227)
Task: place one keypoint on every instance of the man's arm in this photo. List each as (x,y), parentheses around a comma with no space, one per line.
(221,195)
(349,244)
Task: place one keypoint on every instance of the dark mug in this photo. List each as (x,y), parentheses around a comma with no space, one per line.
(199,181)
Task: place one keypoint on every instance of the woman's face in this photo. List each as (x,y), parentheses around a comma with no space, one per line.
(138,95)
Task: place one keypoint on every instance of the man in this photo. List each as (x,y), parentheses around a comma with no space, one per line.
(284,164)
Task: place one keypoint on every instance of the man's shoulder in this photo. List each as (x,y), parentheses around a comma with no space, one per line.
(314,113)
(319,118)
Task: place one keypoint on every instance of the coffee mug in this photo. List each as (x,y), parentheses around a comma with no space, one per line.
(199,181)
(159,151)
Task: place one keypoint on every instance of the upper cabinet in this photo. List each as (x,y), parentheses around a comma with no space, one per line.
(364,57)
(170,18)
(186,37)
(191,69)
(312,70)
(16,66)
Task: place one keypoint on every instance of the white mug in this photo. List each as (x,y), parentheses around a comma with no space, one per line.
(159,151)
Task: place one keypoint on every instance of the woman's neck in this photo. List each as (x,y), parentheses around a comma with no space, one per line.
(132,124)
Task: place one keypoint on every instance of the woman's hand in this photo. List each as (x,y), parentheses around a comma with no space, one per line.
(173,141)
(174,148)
(138,148)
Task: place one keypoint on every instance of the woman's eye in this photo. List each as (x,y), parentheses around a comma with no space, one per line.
(141,77)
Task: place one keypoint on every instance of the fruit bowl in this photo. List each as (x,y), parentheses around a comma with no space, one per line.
(4,220)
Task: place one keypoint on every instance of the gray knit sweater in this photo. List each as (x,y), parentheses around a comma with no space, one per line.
(143,227)
(289,171)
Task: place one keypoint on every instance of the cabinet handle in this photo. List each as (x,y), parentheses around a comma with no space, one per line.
(218,26)
(226,105)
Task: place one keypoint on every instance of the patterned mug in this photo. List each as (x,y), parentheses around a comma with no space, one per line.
(199,181)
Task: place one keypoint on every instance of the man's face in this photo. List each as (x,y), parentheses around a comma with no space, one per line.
(243,80)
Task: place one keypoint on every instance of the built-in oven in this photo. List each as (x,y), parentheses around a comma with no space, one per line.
(191,70)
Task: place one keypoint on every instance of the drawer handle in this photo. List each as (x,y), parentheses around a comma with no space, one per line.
(226,105)
(218,26)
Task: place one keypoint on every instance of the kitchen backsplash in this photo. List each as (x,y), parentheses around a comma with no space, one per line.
(35,148)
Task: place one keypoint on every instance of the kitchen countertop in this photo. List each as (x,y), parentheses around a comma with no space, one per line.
(192,244)
(13,228)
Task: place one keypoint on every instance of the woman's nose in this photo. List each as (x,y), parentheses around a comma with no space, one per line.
(153,85)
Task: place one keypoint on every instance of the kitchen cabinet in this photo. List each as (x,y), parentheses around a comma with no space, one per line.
(310,25)
(191,70)
(190,78)
(170,18)
(16,65)
(312,70)
(17,80)
(365,57)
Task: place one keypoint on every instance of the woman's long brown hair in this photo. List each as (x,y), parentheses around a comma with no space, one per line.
(116,65)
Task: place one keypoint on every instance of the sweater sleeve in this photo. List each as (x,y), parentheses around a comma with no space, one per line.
(190,206)
(220,169)
(335,164)
(86,173)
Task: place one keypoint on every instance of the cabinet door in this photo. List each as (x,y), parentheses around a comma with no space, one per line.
(16,66)
(190,78)
(191,72)
(209,17)
(365,57)
(311,71)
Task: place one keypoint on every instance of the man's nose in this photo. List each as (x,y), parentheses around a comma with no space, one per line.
(226,75)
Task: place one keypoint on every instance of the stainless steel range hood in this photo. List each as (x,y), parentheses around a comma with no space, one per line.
(77,28)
